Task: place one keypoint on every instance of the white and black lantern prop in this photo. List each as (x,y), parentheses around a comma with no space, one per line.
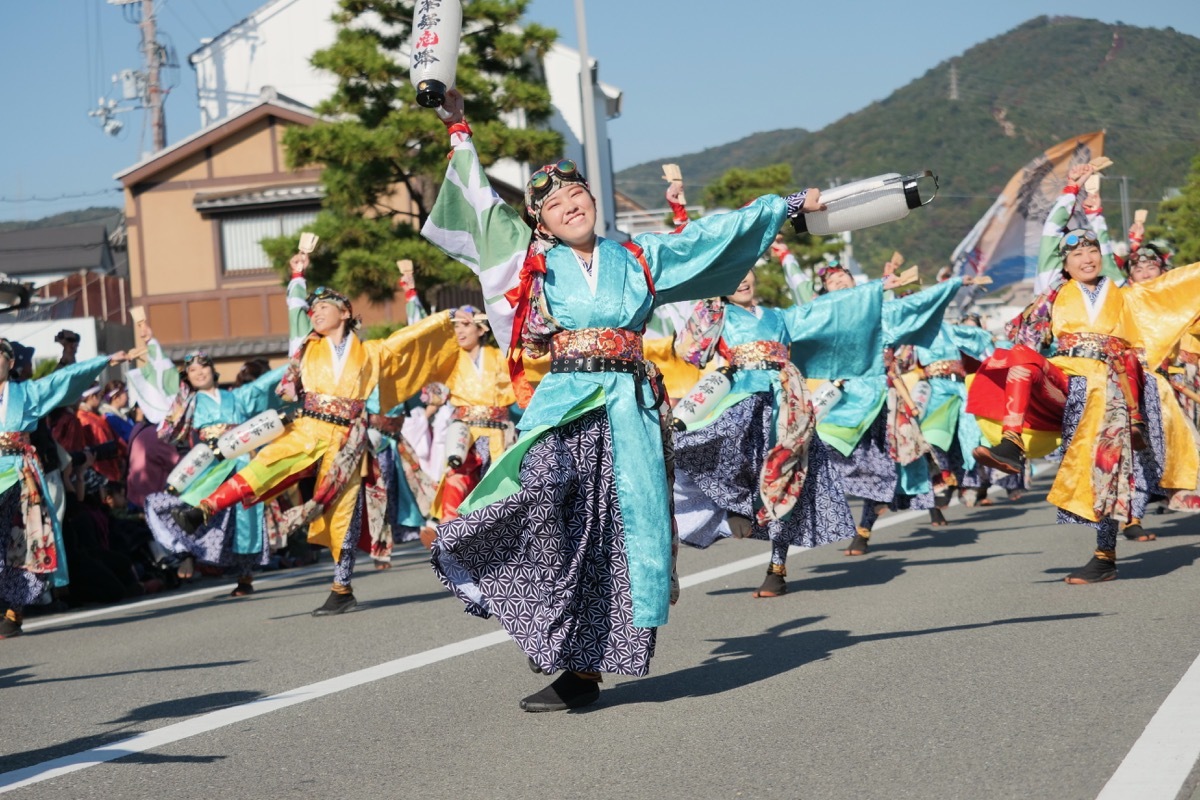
(873,201)
(437,26)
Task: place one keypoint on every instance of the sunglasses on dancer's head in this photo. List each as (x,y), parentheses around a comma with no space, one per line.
(1078,238)
(200,356)
(322,293)
(1145,256)
(539,180)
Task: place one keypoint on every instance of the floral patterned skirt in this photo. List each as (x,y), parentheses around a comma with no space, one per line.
(723,460)
(18,586)
(549,561)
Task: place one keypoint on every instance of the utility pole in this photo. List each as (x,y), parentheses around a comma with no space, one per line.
(953,80)
(143,88)
(591,137)
(154,93)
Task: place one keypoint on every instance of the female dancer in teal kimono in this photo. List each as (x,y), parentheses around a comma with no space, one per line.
(31,544)
(201,413)
(568,537)
(952,433)
(753,461)
(877,444)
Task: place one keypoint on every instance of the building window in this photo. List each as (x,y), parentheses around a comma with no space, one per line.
(241,234)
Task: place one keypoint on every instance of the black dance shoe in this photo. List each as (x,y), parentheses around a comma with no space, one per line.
(568,691)
(1097,570)
(1008,456)
(336,604)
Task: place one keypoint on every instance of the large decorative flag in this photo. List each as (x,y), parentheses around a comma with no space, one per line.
(1004,244)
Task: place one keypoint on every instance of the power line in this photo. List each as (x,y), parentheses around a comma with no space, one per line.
(36,199)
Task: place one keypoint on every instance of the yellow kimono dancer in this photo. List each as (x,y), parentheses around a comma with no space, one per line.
(481,393)
(330,375)
(1092,386)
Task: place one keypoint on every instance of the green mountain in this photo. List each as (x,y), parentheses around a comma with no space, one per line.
(1045,81)
(85,216)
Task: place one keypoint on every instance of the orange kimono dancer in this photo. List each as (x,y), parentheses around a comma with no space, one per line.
(332,398)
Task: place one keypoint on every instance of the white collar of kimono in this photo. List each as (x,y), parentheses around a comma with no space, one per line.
(339,361)
(589,274)
(1094,302)
(212,392)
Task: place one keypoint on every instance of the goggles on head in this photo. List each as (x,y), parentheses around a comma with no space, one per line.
(546,180)
(1078,238)
(1147,255)
(323,294)
(6,349)
(198,356)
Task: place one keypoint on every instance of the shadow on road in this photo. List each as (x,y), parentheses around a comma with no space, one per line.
(1138,565)
(130,727)
(870,570)
(744,660)
(8,678)
(187,706)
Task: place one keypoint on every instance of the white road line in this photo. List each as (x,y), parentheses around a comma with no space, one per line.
(204,723)
(66,619)
(228,716)
(1161,759)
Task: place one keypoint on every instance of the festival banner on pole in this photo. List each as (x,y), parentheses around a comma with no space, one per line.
(1004,244)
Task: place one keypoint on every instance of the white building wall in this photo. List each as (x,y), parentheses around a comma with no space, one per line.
(272,47)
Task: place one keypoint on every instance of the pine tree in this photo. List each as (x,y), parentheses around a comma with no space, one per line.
(373,138)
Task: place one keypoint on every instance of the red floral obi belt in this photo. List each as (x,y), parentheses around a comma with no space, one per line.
(951,369)
(334,410)
(1096,346)
(14,443)
(482,416)
(597,350)
(759,355)
(210,433)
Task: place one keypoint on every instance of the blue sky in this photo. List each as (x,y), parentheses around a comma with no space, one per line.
(695,73)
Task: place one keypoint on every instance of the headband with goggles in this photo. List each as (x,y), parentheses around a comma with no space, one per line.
(323,294)
(1146,254)
(1078,238)
(548,180)
(198,356)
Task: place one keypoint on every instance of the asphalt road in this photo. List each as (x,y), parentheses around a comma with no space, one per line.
(947,663)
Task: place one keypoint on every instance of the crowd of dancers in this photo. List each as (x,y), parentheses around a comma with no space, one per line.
(638,396)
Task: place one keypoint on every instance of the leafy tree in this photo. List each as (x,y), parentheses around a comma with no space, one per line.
(374,139)
(1179,220)
(739,186)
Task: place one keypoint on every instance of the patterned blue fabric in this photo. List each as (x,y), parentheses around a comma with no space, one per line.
(724,460)
(549,561)
(211,544)
(868,472)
